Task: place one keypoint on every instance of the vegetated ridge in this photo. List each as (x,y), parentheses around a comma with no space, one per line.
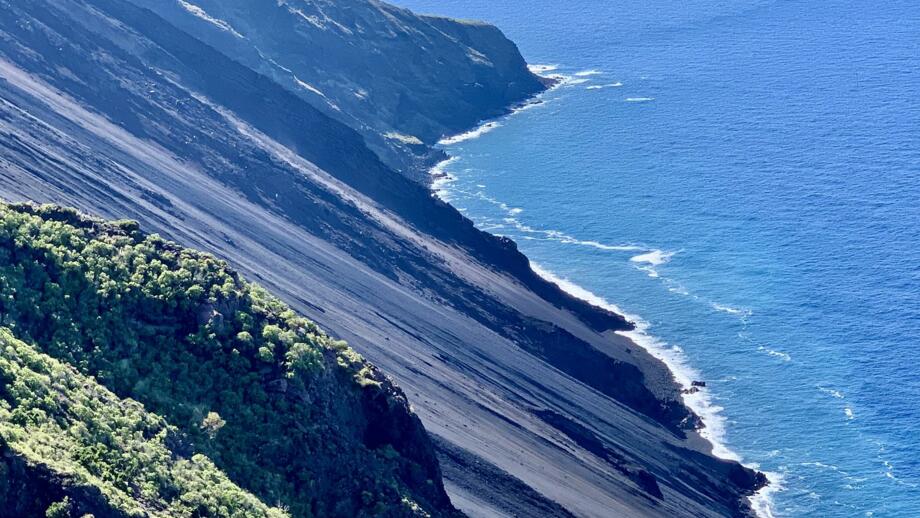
(223,380)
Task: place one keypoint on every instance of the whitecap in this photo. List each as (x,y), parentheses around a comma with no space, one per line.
(515,211)
(587,73)
(776,354)
(849,413)
(652,272)
(600,246)
(742,312)
(469,135)
(562,237)
(639,99)
(654,257)
(726,309)
(834,393)
(542,69)
(601,87)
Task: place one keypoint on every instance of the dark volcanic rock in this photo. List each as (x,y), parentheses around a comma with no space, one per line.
(400,79)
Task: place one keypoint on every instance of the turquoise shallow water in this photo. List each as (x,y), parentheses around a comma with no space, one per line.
(745,177)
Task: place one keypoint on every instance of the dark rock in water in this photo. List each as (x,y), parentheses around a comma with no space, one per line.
(700,384)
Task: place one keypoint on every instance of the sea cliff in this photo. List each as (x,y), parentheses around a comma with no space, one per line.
(192,120)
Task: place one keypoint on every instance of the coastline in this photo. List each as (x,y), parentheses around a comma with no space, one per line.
(711,431)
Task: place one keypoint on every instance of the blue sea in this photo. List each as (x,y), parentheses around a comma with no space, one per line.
(744,177)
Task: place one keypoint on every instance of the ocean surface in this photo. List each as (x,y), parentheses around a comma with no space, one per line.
(744,177)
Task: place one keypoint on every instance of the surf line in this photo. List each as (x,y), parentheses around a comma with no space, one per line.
(674,358)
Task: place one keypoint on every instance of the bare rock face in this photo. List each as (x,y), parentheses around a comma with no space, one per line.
(402,80)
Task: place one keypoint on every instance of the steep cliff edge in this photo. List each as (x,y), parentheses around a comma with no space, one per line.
(124,113)
(296,418)
(402,80)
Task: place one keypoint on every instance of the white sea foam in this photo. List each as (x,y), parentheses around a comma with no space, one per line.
(699,401)
(654,257)
(776,354)
(546,71)
(587,73)
(441,178)
(834,393)
(889,473)
(652,272)
(542,69)
(440,169)
(650,260)
(527,106)
(639,99)
(672,356)
(762,501)
(601,246)
(561,237)
(474,133)
(849,413)
(730,310)
(601,87)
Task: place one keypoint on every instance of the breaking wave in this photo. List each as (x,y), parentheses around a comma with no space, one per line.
(469,135)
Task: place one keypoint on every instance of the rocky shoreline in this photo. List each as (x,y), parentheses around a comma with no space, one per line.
(603,320)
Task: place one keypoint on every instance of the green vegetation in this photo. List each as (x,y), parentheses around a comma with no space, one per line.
(53,416)
(287,413)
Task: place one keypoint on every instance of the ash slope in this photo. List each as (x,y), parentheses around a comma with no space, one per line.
(111,108)
(401,80)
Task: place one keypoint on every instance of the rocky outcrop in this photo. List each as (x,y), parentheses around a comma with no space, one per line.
(401,80)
